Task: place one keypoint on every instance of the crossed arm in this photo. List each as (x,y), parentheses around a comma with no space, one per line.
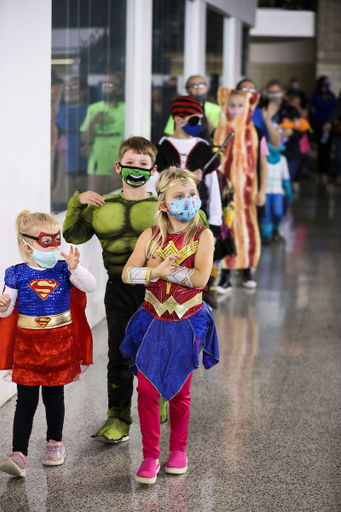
(138,270)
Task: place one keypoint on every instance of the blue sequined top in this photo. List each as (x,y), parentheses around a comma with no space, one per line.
(41,292)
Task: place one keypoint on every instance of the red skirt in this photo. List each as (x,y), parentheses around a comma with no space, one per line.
(49,357)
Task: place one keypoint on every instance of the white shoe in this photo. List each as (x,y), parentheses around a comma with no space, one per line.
(250,284)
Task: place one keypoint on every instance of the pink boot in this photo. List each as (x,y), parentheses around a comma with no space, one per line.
(177,463)
(148,471)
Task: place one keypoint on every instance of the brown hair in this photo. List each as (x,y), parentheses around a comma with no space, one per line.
(28,223)
(273,82)
(138,145)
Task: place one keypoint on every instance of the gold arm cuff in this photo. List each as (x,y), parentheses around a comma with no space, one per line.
(44,322)
(148,274)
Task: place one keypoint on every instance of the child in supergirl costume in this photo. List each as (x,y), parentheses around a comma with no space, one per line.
(164,337)
(44,335)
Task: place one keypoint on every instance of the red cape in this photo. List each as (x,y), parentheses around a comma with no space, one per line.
(8,329)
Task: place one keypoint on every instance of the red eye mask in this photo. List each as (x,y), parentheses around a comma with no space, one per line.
(50,239)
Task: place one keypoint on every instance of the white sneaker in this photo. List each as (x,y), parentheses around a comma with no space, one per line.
(250,284)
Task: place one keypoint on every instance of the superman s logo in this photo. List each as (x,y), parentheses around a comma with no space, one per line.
(43,287)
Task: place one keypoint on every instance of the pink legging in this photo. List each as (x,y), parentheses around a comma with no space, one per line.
(148,409)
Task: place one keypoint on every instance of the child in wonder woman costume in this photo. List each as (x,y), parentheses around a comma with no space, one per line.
(163,339)
(44,335)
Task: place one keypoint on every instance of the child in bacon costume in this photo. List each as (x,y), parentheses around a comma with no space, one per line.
(164,337)
(45,339)
(239,164)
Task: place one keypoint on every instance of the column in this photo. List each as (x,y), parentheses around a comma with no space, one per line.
(195,38)
(232,51)
(139,67)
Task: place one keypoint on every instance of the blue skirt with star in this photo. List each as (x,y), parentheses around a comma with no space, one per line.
(167,352)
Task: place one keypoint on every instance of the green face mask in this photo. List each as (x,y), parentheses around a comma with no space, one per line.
(135,176)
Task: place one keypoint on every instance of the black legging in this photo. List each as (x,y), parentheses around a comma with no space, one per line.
(27,402)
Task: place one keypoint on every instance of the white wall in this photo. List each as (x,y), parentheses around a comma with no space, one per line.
(25,63)
(283,23)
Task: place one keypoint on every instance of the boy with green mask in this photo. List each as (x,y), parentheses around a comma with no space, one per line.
(118,220)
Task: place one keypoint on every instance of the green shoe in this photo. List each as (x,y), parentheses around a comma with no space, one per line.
(113,431)
(162,409)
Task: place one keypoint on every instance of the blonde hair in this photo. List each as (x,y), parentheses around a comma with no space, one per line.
(28,223)
(165,179)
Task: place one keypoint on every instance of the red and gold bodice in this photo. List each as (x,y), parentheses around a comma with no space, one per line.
(169,301)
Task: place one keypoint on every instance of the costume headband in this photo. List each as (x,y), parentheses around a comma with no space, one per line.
(183,182)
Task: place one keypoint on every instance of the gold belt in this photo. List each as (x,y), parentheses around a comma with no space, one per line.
(171,305)
(44,322)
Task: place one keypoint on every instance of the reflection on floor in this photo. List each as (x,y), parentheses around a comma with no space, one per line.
(265,423)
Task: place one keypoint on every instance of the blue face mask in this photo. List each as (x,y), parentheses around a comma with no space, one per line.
(295,90)
(275,153)
(326,85)
(184,209)
(193,126)
(45,259)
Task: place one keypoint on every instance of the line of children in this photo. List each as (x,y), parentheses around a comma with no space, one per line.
(44,336)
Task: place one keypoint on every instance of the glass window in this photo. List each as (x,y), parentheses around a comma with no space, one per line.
(87,96)
(214,52)
(168,61)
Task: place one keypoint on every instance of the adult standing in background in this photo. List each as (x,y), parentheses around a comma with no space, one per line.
(334,122)
(197,88)
(70,118)
(262,116)
(295,88)
(102,132)
(323,101)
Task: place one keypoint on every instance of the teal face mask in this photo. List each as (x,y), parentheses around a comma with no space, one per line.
(44,259)
(275,153)
(135,176)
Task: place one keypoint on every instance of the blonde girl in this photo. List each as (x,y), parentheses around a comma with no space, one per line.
(44,336)
(164,337)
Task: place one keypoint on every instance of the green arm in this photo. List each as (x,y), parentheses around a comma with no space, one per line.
(77,227)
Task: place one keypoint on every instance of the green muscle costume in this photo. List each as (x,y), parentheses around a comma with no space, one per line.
(117,225)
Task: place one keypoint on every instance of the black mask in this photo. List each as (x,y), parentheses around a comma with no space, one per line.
(200,97)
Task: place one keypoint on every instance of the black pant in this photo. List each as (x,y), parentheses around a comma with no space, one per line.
(27,402)
(121,302)
(324,151)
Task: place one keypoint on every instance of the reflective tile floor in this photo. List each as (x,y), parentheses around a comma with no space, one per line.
(265,427)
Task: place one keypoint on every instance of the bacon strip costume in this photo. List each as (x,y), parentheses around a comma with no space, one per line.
(239,164)
(165,336)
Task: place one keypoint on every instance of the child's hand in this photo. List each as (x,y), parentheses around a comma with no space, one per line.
(260,199)
(72,259)
(90,197)
(165,268)
(5,301)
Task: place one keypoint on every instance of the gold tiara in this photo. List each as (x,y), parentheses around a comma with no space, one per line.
(183,182)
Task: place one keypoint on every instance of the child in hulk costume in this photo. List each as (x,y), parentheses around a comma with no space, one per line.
(118,220)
